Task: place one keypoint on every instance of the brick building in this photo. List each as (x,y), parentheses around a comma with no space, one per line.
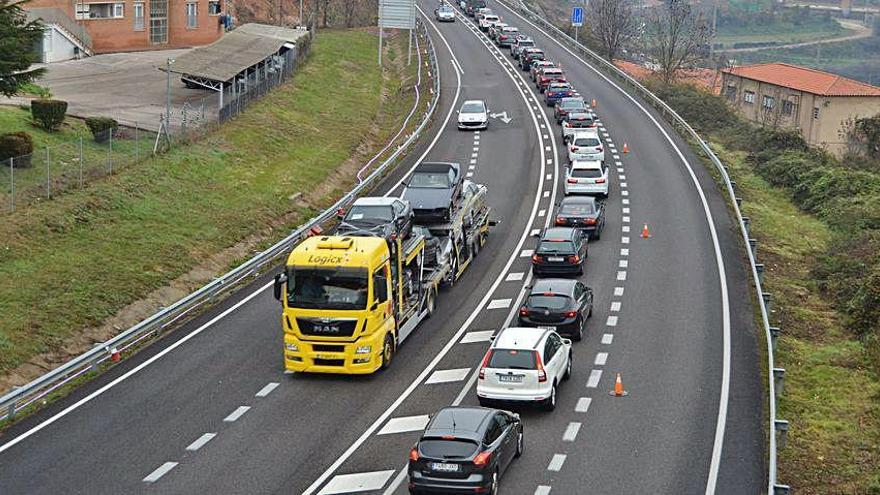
(133,25)
(814,102)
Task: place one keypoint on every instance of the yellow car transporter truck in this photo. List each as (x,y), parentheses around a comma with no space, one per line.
(350,299)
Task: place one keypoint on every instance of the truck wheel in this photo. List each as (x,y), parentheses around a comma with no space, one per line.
(387,352)
(475,248)
(429,303)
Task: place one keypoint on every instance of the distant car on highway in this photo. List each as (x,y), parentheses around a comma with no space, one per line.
(487,20)
(506,35)
(444,13)
(518,44)
(524,365)
(556,91)
(560,304)
(539,65)
(583,212)
(530,55)
(473,114)
(549,75)
(584,144)
(495,29)
(433,190)
(560,251)
(465,450)
(576,121)
(568,104)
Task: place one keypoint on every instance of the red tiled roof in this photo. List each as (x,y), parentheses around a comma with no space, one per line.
(803,79)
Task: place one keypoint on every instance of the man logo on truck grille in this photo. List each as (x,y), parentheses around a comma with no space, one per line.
(325,328)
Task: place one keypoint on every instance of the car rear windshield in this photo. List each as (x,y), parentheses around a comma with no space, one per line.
(552,72)
(586,173)
(553,246)
(446,449)
(512,359)
(577,209)
(472,108)
(573,104)
(589,141)
(580,121)
(555,301)
(526,43)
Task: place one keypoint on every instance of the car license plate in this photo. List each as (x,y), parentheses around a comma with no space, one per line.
(445,467)
(510,378)
(545,327)
(555,258)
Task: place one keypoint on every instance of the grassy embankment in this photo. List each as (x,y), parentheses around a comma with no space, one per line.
(832,385)
(70,263)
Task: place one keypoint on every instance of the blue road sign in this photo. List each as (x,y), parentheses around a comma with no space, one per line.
(577,16)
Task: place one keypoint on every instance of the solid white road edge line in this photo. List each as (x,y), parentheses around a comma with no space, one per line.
(721,422)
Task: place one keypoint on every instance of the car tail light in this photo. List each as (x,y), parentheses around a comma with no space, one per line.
(590,221)
(566,124)
(571,314)
(536,258)
(560,220)
(483,458)
(574,148)
(600,181)
(484,364)
(523,311)
(574,259)
(598,148)
(572,181)
(414,454)
(542,375)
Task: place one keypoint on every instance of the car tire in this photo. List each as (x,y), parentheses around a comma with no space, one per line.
(578,334)
(580,271)
(550,403)
(494,489)
(387,352)
(598,235)
(520,444)
(430,303)
(591,311)
(567,374)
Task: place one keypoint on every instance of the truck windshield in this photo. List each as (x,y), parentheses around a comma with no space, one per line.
(327,288)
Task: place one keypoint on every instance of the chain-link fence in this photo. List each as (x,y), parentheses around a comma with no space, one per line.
(53,169)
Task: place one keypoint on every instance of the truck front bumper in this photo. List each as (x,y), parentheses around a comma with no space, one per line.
(309,356)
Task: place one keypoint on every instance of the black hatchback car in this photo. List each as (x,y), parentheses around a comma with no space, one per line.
(433,190)
(464,450)
(571,104)
(560,303)
(560,251)
(582,212)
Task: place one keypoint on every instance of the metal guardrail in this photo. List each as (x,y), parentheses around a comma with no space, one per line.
(21,397)
(775,375)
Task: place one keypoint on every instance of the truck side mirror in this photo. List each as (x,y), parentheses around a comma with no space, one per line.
(280,280)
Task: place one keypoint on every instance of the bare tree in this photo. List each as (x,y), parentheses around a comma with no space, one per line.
(613,24)
(677,35)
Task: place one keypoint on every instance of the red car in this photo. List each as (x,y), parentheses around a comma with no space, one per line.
(547,76)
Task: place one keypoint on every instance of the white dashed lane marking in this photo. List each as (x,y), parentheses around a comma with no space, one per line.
(601,359)
(549,176)
(611,321)
(535,232)
(159,472)
(595,376)
(267,390)
(200,442)
(498,304)
(621,275)
(624,193)
(356,482)
(607,338)
(625,201)
(571,432)
(478,336)
(542,213)
(447,376)
(542,490)
(615,306)
(236,414)
(583,404)
(618,291)
(556,462)
(624,229)
(626,210)
(624,251)
(514,276)
(626,219)
(624,240)
(404,424)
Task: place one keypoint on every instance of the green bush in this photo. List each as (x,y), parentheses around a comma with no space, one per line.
(48,114)
(18,145)
(101,127)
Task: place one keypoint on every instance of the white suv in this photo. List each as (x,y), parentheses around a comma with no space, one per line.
(584,144)
(524,365)
(587,177)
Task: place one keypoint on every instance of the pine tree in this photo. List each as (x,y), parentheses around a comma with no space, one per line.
(18,38)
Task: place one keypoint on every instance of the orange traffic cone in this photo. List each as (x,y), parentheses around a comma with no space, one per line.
(645,232)
(625,148)
(114,355)
(618,388)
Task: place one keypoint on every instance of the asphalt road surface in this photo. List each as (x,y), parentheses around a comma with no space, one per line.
(208,409)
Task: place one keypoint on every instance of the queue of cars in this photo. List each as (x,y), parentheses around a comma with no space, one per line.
(466,449)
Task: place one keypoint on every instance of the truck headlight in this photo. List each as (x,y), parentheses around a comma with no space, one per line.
(291,347)
(364,349)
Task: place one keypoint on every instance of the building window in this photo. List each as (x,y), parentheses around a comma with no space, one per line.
(731,92)
(768,102)
(787,108)
(749,97)
(214,7)
(159,21)
(138,16)
(109,10)
(192,15)
(815,112)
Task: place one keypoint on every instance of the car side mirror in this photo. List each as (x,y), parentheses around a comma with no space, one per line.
(458,111)
(280,280)
(566,341)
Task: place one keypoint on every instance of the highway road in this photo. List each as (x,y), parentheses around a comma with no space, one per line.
(208,409)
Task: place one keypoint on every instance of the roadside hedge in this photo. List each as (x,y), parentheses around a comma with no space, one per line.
(48,114)
(101,127)
(842,193)
(18,145)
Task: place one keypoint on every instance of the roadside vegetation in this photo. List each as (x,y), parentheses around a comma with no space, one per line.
(742,24)
(816,220)
(69,264)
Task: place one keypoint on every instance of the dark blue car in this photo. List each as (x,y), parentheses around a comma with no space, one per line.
(557,91)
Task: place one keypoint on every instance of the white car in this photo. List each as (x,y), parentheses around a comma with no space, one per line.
(444,13)
(487,20)
(524,365)
(584,144)
(587,177)
(577,122)
(474,114)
